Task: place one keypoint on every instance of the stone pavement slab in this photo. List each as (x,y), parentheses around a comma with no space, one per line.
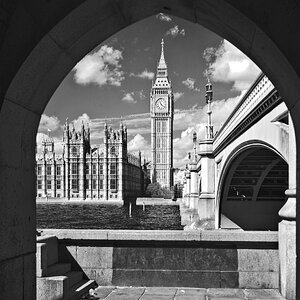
(179,293)
(225,294)
(162,291)
(190,294)
(258,294)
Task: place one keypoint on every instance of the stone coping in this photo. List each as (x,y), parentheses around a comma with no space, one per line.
(165,235)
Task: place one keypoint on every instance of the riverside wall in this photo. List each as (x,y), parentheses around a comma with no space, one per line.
(210,259)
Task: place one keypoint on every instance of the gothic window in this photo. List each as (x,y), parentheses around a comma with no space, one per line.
(113,169)
(164,126)
(49,185)
(58,184)
(94,184)
(113,184)
(158,144)
(39,184)
(94,169)
(158,158)
(39,170)
(48,170)
(58,170)
(101,184)
(74,169)
(113,150)
(74,184)
(101,169)
(74,151)
(158,124)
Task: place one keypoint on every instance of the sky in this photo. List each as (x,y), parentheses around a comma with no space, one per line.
(113,83)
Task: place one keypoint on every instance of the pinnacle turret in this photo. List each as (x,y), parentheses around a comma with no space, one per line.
(162,63)
(208,98)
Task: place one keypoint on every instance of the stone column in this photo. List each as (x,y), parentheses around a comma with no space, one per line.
(194,186)
(206,204)
(120,186)
(188,188)
(287,227)
(183,190)
(44,182)
(81,176)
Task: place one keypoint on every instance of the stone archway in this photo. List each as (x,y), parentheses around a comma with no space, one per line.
(49,38)
(253,189)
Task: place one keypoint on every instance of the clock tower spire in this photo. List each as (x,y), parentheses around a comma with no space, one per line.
(162,114)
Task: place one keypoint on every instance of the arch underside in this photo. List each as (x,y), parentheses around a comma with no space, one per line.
(254,189)
(42,43)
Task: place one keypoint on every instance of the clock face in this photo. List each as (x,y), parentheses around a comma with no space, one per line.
(161,104)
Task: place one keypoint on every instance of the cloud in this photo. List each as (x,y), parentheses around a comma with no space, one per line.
(85,119)
(194,120)
(190,83)
(141,94)
(175,31)
(178,95)
(101,68)
(144,75)
(228,64)
(128,97)
(49,123)
(139,143)
(163,17)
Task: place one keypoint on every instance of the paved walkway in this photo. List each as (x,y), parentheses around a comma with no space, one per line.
(164,293)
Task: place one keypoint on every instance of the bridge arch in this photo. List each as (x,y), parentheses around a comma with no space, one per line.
(252,187)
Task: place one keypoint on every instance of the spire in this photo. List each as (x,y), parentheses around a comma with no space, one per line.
(208,97)
(162,63)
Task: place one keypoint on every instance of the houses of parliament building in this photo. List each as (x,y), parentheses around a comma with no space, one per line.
(107,172)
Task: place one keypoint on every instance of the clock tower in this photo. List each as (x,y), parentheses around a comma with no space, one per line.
(162,112)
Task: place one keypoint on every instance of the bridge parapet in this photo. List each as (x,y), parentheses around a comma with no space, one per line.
(255,95)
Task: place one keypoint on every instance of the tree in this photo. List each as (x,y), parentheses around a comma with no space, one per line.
(154,190)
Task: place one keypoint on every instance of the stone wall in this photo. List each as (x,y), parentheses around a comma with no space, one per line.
(167,258)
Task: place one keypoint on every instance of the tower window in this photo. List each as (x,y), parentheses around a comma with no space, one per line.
(113,150)
(39,184)
(94,184)
(158,144)
(58,170)
(113,169)
(58,184)
(87,169)
(74,169)
(49,185)
(94,169)
(39,170)
(113,184)
(48,170)
(74,151)
(74,184)
(101,184)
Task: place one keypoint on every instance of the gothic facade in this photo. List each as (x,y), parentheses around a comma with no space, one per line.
(105,172)
(162,114)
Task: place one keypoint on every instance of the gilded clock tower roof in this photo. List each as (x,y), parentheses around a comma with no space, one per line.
(162,80)
(162,63)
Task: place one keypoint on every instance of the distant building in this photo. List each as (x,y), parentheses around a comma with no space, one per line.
(106,172)
(162,115)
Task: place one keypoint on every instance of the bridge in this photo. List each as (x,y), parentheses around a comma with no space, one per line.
(239,176)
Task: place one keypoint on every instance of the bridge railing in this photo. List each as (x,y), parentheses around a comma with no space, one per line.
(253,97)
